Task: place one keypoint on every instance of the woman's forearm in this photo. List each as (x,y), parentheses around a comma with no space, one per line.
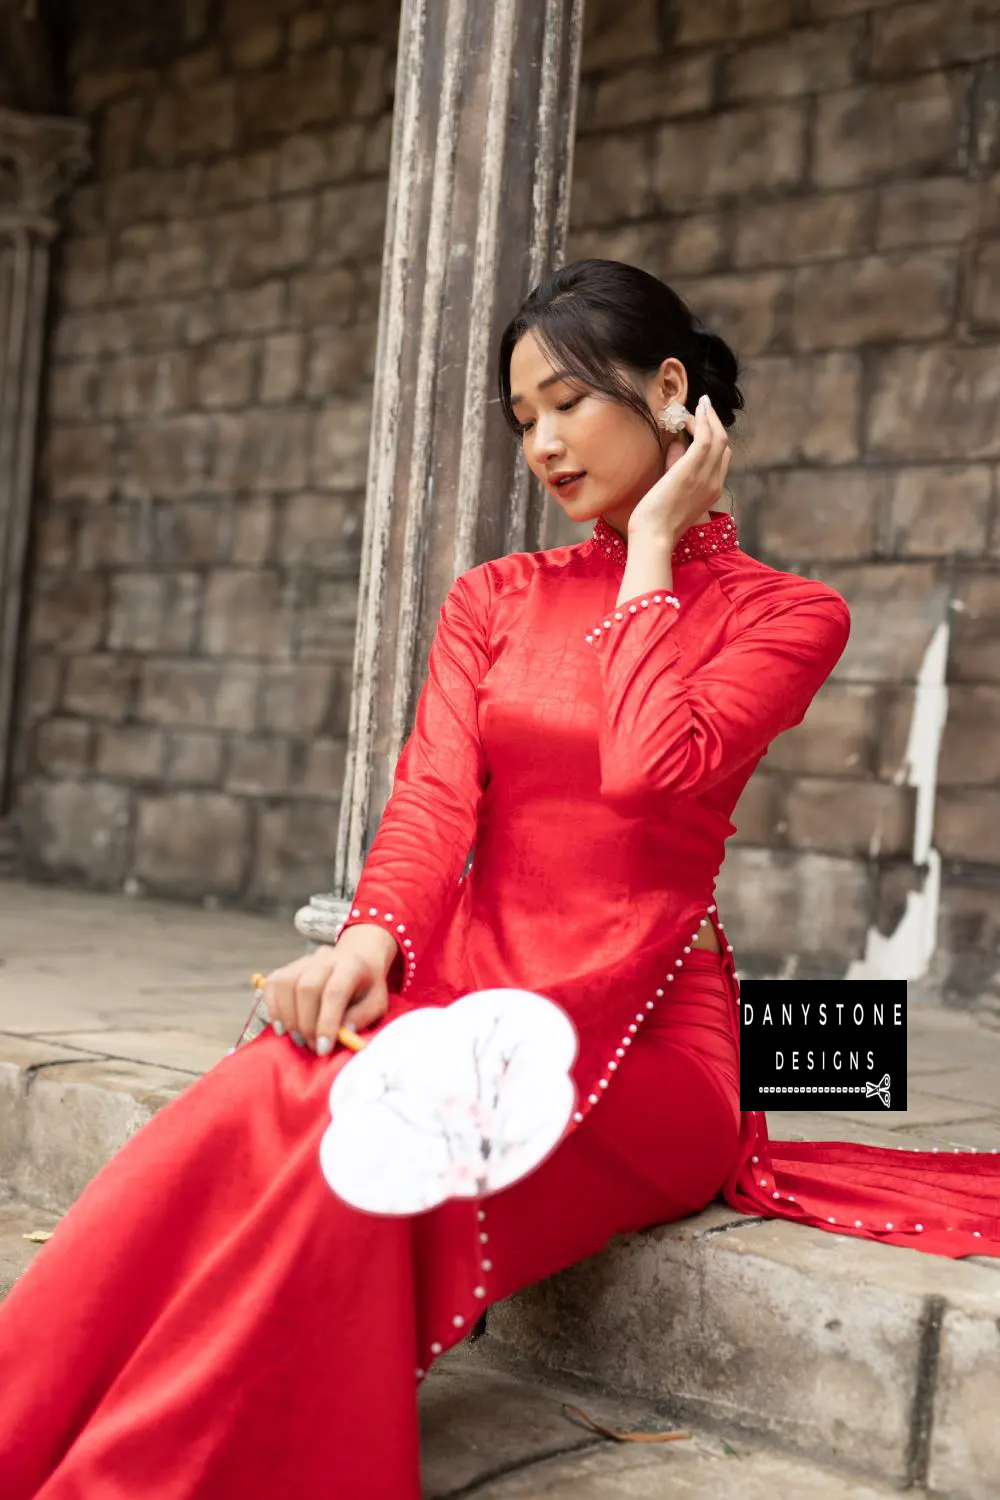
(649,566)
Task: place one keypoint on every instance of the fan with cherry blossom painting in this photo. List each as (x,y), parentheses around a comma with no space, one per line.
(455,1101)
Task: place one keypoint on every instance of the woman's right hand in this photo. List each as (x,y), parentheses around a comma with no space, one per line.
(341,985)
(691,484)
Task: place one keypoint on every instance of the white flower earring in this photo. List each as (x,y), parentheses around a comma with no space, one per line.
(674,418)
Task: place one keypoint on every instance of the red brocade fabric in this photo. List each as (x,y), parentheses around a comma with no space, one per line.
(208,1319)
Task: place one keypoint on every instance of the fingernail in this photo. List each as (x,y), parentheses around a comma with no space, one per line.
(278,1028)
(707,399)
(323,1046)
(298,1038)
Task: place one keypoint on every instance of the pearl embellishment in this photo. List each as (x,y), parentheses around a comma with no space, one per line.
(643,603)
(709,540)
(395,928)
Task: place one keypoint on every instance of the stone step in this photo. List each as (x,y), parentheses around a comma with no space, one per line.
(18,1219)
(864,1357)
(500,1435)
(65,1111)
(503,1435)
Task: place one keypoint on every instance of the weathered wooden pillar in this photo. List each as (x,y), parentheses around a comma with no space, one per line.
(39,158)
(478,207)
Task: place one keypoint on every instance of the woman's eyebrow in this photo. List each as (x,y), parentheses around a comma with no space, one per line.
(549,380)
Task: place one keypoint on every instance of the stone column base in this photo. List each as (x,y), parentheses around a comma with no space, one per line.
(322,919)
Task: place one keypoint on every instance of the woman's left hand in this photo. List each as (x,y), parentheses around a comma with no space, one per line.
(693,481)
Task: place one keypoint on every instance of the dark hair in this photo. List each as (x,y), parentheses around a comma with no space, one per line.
(593,314)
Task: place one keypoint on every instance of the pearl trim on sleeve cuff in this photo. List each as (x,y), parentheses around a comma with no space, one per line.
(633,609)
(398,929)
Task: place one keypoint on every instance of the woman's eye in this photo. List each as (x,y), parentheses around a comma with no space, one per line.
(563,406)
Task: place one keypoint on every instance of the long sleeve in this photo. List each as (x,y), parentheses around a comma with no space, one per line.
(429,822)
(666,728)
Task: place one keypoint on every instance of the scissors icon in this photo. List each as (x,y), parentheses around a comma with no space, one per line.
(880,1089)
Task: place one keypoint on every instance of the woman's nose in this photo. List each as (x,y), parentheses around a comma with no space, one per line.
(548,443)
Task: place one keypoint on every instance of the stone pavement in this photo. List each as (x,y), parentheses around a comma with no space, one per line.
(875,1361)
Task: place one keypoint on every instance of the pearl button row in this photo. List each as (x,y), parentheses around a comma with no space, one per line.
(755,1160)
(963,1150)
(933,1150)
(762,1181)
(397,929)
(633,609)
(632,1031)
(485,1266)
(859,1223)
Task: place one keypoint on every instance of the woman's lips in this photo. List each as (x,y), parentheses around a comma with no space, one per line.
(570,487)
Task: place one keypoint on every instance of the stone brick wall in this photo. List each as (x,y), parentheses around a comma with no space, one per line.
(821,180)
(199,522)
(820,177)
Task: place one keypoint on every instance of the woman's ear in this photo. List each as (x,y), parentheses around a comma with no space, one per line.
(672,382)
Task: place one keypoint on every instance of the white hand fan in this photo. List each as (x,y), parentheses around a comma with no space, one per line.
(452,1101)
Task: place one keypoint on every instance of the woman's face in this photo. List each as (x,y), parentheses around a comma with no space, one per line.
(568,428)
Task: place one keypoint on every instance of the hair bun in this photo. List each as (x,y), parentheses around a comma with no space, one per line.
(720,372)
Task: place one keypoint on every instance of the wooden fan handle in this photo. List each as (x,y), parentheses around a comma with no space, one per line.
(348,1039)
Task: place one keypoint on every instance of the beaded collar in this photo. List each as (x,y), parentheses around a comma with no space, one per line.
(716,535)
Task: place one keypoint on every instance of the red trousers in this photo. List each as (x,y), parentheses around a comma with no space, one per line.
(210,1321)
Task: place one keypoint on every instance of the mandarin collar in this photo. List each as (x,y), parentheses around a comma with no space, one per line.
(712,537)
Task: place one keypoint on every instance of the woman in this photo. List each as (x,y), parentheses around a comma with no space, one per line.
(209,1321)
